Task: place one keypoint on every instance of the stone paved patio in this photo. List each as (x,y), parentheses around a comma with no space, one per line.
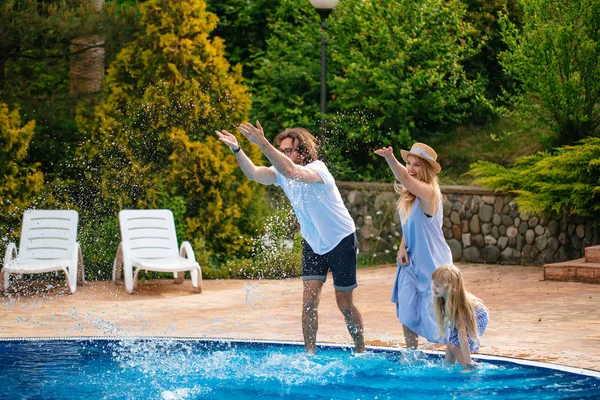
(557,322)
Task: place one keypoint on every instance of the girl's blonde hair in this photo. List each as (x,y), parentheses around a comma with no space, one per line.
(458,310)
(407,199)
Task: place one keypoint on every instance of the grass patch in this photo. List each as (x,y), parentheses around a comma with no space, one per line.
(500,141)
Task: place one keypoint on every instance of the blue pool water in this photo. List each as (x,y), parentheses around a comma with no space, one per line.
(199,369)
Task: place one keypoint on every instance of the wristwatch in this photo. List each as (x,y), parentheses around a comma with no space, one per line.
(235,151)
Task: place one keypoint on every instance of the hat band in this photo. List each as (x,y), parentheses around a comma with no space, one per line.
(423,153)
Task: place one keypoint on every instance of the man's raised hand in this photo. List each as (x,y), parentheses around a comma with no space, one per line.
(228,139)
(255,134)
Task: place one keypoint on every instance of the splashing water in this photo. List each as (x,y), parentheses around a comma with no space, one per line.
(190,369)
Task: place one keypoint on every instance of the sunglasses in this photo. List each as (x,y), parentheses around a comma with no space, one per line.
(288,151)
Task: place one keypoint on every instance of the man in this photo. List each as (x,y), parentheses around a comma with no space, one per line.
(325,223)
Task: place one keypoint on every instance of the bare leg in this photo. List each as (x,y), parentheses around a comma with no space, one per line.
(310,313)
(411,338)
(353,318)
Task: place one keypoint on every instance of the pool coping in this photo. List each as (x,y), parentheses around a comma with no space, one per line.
(520,361)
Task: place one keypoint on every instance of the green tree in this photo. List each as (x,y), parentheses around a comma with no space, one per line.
(152,142)
(556,59)
(35,39)
(244,27)
(20,182)
(565,181)
(394,75)
(484,15)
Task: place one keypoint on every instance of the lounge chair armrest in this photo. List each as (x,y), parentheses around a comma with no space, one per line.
(11,253)
(186,251)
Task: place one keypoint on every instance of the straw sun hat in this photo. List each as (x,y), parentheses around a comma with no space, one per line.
(424,152)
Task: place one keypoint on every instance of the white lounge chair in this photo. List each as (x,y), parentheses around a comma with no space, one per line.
(48,243)
(149,243)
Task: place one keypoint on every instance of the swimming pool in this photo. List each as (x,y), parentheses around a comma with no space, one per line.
(168,368)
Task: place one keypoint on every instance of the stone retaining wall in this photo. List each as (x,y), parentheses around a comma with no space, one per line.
(479,226)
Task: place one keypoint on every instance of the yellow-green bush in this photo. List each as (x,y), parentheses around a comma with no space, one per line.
(151,143)
(20,183)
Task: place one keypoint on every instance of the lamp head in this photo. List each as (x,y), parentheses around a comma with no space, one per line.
(324,7)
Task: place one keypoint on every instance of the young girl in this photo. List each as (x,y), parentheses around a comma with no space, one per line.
(461,317)
(423,247)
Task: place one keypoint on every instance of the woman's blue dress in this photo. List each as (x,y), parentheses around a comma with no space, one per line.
(427,250)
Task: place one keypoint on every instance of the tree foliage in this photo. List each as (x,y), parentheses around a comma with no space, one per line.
(556,59)
(567,180)
(152,143)
(394,75)
(20,182)
(35,39)
(484,16)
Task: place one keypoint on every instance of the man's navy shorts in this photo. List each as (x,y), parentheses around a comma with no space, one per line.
(341,261)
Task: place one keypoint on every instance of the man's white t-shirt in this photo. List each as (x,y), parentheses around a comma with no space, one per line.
(323,217)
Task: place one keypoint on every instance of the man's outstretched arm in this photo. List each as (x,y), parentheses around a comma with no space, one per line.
(260,174)
(283,164)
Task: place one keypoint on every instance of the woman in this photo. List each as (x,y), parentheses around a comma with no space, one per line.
(423,247)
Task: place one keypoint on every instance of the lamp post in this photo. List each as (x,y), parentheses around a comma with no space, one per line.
(324,8)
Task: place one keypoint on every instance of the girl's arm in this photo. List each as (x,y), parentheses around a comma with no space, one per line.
(419,188)
(464,358)
(465,349)
(402,253)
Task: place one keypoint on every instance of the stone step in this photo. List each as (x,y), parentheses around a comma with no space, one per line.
(592,254)
(575,270)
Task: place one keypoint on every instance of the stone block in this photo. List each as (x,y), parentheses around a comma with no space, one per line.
(490,240)
(502,242)
(510,255)
(530,236)
(546,256)
(490,254)
(447,208)
(512,231)
(498,204)
(523,227)
(466,239)
(464,227)
(539,230)
(471,254)
(560,273)
(474,226)
(592,254)
(486,228)
(478,241)
(456,232)
(496,219)
(533,221)
(489,199)
(456,249)
(553,227)
(485,213)
(586,274)
(495,232)
(454,218)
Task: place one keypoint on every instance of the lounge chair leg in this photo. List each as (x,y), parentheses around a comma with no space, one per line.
(4,277)
(80,272)
(118,264)
(179,276)
(197,279)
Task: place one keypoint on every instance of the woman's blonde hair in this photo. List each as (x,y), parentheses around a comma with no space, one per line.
(459,308)
(308,145)
(407,199)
